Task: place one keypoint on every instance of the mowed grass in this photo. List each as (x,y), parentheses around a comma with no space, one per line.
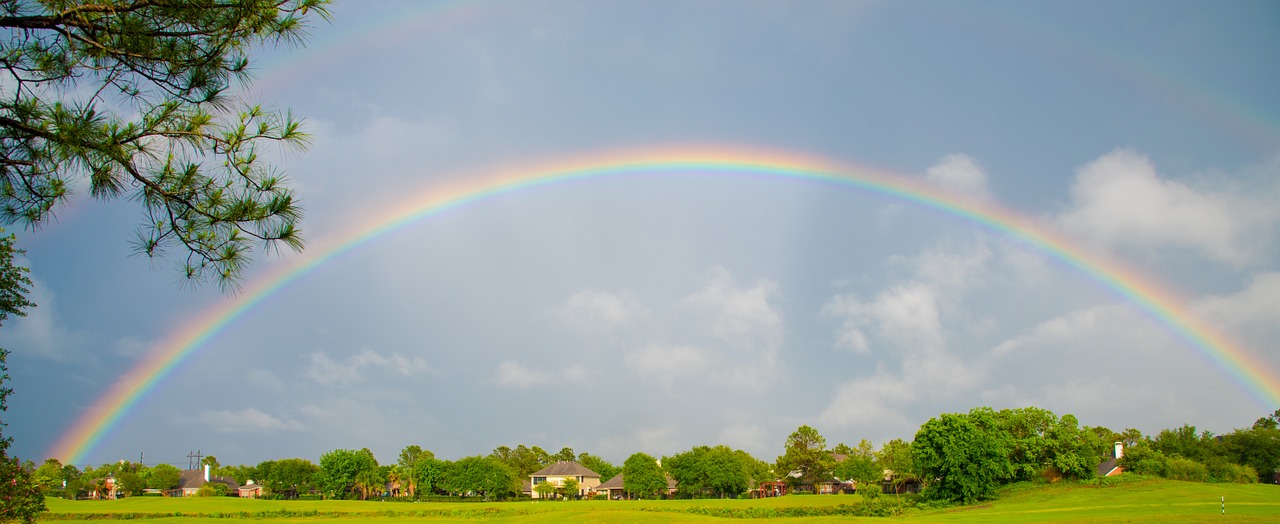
(1147,500)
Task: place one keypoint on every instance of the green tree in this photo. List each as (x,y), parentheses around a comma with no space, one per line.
(212,462)
(412,453)
(523,459)
(340,468)
(133,95)
(49,475)
(604,468)
(369,482)
(130,483)
(545,489)
(709,471)
(289,475)
(570,488)
(1024,431)
(485,476)
(428,474)
(806,460)
(897,461)
(1257,447)
(565,455)
(20,496)
(164,477)
(643,476)
(1271,421)
(961,457)
(860,465)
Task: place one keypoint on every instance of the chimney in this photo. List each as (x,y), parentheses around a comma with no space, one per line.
(206,472)
(1119,450)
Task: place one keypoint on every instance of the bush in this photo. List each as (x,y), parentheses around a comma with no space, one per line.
(1223,471)
(1186,469)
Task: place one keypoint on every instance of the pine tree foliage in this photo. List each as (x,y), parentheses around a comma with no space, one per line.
(133,99)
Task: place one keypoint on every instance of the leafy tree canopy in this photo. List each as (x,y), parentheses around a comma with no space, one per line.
(340,468)
(643,476)
(133,96)
(20,497)
(806,460)
(962,458)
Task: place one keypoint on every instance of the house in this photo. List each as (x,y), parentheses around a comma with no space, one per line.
(894,483)
(192,480)
(107,489)
(614,490)
(557,473)
(835,486)
(251,491)
(1110,467)
(775,488)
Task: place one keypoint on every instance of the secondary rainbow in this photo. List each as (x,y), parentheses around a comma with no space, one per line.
(1255,377)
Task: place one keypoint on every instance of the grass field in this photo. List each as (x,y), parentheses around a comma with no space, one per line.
(1147,500)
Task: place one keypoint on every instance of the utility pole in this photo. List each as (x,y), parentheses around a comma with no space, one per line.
(191,466)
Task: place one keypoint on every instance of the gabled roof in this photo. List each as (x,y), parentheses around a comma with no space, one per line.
(616,483)
(193,479)
(565,468)
(1107,467)
(613,483)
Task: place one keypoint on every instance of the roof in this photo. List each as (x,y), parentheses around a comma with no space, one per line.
(1107,467)
(565,468)
(616,483)
(193,479)
(613,483)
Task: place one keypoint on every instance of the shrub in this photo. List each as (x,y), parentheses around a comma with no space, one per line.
(1186,469)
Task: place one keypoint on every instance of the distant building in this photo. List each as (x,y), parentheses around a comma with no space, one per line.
(192,480)
(557,473)
(1110,467)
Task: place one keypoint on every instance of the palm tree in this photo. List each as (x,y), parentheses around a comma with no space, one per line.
(397,477)
(366,481)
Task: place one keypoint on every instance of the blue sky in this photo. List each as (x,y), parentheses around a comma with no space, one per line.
(653,313)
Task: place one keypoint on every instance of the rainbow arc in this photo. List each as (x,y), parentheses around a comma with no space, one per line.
(1162,305)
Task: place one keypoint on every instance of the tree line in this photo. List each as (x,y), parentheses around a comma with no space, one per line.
(954,457)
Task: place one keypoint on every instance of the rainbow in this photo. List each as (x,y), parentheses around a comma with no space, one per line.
(1162,305)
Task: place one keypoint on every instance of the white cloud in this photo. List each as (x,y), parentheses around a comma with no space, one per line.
(749,437)
(904,316)
(265,379)
(741,315)
(1256,306)
(514,374)
(42,332)
(668,363)
(655,441)
(870,401)
(575,373)
(959,174)
(591,309)
(952,267)
(1058,329)
(130,347)
(247,420)
(1119,200)
(314,411)
(328,371)
(905,321)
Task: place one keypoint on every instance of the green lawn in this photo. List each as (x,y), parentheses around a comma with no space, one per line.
(1150,500)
